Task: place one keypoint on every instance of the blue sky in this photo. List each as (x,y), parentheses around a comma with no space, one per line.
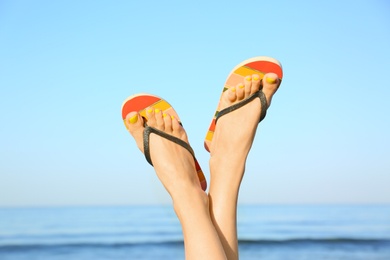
(66,67)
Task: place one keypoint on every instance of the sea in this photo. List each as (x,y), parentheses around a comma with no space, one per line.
(315,232)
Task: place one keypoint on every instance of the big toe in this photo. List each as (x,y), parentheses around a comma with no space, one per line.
(270,85)
(134,123)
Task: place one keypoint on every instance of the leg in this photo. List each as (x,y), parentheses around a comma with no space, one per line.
(233,138)
(175,168)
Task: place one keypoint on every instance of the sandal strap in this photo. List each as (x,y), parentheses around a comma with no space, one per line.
(148,130)
(258,94)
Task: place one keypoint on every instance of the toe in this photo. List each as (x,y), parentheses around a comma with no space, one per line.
(231,94)
(255,83)
(133,121)
(270,84)
(167,123)
(159,119)
(176,126)
(135,125)
(240,91)
(150,116)
(248,85)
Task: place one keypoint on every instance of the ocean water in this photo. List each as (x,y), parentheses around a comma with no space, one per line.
(153,232)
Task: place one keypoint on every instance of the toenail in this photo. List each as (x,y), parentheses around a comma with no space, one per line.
(248,78)
(164,115)
(150,110)
(233,89)
(270,80)
(133,119)
(255,77)
(156,110)
(241,86)
(172,117)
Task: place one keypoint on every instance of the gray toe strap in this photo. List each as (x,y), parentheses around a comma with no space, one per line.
(264,105)
(148,130)
(258,94)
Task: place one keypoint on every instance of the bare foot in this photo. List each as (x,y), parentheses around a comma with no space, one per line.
(174,165)
(235,131)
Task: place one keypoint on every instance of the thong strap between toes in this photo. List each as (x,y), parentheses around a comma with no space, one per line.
(148,130)
(258,94)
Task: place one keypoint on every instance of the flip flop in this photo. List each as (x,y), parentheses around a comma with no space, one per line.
(139,103)
(258,65)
